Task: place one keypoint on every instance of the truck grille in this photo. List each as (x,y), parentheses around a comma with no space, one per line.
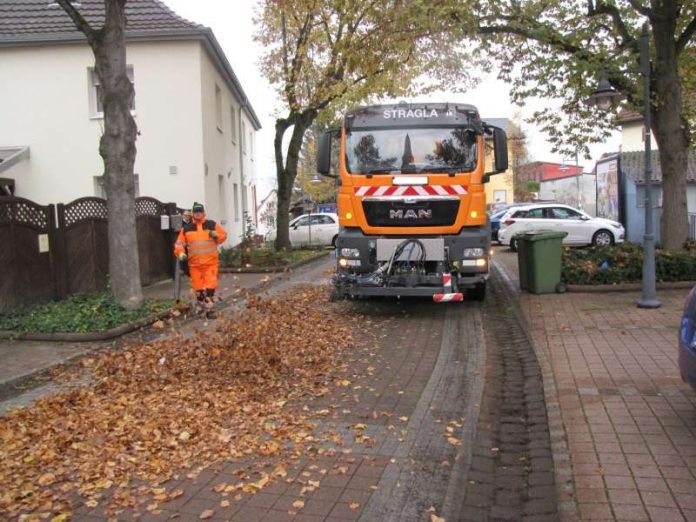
(419,213)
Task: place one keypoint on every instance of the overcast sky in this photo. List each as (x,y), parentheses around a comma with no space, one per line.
(232,23)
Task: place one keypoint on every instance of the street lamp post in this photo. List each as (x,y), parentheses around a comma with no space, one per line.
(605,97)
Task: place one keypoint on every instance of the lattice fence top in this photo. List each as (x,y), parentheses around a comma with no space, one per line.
(146,206)
(83,209)
(25,212)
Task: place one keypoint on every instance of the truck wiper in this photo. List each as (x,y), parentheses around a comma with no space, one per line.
(381,170)
(449,170)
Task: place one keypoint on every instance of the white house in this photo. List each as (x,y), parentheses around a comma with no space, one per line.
(196,126)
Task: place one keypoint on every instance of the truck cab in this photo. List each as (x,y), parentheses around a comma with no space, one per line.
(411,202)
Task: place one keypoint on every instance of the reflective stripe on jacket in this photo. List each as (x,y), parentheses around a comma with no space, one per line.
(195,241)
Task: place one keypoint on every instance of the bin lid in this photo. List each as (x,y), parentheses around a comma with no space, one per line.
(540,235)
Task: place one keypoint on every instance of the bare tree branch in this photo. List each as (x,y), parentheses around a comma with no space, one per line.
(645,11)
(686,36)
(605,8)
(78,20)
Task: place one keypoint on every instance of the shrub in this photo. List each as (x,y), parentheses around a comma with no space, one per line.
(78,313)
(623,263)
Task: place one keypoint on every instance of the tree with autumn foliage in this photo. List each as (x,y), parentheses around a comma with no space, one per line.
(323,56)
(116,146)
(556,50)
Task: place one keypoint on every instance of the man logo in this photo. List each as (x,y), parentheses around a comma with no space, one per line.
(411,214)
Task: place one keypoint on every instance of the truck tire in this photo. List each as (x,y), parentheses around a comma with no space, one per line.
(478,293)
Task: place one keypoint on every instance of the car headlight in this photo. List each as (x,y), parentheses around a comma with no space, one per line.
(618,226)
(350,252)
(474,252)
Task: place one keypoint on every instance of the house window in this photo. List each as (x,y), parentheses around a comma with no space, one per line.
(233,125)
(218,108)
(221,196)
(245,207)
(236,202)
(100,186)
(243,137)
(96,92)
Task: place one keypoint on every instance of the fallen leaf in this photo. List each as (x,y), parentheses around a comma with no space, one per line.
(208,513)
(158,324)
(454,441)
(435,518)
(224,503)
(298,504)
(354,505)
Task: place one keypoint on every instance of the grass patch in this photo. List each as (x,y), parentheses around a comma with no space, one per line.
(623,263)
(79,313)
(265,256)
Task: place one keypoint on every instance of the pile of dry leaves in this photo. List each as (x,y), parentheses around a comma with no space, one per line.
(155,409)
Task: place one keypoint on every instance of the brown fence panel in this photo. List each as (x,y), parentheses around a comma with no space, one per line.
(154,244)
(25,271)
(84,227)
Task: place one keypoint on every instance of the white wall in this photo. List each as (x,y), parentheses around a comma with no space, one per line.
(632,136)
(45,103)
(576,191)
(221,152)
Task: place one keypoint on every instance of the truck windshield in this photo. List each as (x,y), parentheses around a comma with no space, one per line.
(412,150)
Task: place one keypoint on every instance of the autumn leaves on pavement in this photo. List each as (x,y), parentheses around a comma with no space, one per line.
(156,409)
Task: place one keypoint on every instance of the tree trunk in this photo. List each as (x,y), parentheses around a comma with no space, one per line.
(286,172)
(117,148)
(671,134)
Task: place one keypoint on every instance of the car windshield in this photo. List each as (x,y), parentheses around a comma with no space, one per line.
(412,150)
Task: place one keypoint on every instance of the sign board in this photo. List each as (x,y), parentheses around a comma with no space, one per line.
(608,189)
(327,208)
(164,222)
(43,243)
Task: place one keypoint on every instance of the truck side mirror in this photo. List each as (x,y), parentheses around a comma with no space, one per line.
(324,153)
(501,150)
(500,159)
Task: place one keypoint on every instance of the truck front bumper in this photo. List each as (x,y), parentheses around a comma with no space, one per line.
(358,272)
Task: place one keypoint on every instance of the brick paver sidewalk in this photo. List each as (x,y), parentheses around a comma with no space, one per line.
(627,419)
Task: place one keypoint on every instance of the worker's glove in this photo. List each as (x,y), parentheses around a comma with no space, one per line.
(213,234)
(182,257)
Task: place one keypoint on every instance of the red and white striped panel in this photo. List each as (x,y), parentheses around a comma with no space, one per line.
(448,298)
(411,190)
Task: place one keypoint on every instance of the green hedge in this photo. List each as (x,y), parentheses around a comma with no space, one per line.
(264,256)
(79,313)
(623,263)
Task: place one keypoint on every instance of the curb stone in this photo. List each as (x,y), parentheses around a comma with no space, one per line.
(629,287)
(565,487)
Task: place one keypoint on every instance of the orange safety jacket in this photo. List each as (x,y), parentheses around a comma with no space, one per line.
(194,240)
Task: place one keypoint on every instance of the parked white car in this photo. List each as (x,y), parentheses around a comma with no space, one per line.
(318,229)
(582,229)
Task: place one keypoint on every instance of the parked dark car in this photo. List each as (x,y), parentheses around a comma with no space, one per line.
(495,223)
(687,341)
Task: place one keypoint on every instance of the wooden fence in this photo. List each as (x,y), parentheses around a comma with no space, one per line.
(52,251)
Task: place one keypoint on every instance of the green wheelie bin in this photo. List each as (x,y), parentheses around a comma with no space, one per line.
(539,259)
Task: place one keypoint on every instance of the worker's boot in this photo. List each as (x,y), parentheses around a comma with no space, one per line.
(201,308)
(210,304)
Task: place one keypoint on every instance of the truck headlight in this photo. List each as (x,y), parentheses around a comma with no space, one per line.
(474,252)
(350,252)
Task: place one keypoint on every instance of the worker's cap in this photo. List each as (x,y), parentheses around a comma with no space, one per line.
(197,207)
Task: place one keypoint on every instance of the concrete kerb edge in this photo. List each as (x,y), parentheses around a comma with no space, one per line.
(629,287)
(274,269)
(565,487)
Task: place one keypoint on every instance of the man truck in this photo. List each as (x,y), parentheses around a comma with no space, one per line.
(411,200)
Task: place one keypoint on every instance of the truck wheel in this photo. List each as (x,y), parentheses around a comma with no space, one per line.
(478,293)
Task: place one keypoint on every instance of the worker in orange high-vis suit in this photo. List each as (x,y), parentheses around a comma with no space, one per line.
(198,243)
